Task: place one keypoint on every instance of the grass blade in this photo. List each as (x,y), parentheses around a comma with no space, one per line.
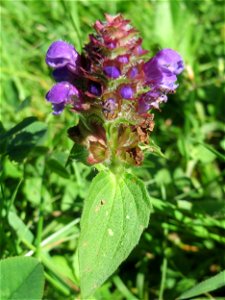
(205,286)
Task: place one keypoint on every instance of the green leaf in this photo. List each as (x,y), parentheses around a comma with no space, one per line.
(32,188)
(214,151)
(24,104)
(203,154)
(23,124)
(20,146)
(56,162)
(205,286)
(20,228)
(21,278)
(115,213)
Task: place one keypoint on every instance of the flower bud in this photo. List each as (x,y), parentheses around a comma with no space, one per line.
(126,92)
(95,88)
(112,72)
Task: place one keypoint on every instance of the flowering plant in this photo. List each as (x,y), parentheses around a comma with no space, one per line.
(114,88)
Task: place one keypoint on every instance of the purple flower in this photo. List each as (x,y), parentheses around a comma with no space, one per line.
(112,72)
(161,70)
(61,94)
(126,92)
(61,54)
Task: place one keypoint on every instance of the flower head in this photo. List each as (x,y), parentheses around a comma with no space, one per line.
(112,80)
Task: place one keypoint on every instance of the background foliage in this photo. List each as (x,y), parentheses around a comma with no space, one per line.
(42,191)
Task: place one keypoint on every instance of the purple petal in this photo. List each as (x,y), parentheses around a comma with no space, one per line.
(165,61)
(161,70)
(153,72)
(60,94)
(150,100)
(167,83)
(154,98)
(126,92)
(112,72)
(61,54)
(143,106)
(95,88)
(170,60)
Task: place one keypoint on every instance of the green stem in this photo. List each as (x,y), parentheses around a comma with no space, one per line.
(111,129)
(39,230)
(55,283)
(41,218)
(164,268)
(163,278)
(29,246)
(77,174)
(12,199)
(2,223)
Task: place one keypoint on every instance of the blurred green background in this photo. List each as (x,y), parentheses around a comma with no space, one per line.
(42,196)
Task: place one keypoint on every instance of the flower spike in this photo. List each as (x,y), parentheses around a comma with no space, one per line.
(114,82)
